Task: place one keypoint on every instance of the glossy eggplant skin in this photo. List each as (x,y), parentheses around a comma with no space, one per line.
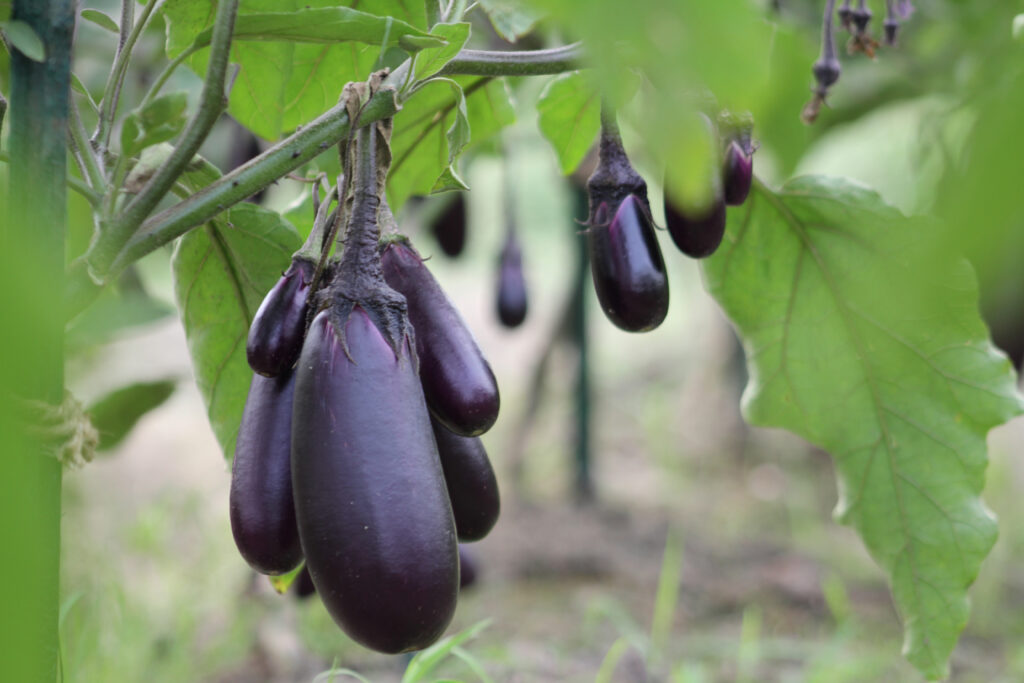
(450,227)
(261,505)
(472,486)
(697,236)
(467,568)
(739,174)
(627,266)
(275,336)
(512,300)
(373,513)
(458,382)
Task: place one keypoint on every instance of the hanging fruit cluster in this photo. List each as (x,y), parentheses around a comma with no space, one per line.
(358,450)
(626,262)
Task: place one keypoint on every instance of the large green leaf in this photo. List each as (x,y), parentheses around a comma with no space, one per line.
(570,118)
(221,273)
(283,84)
(115,414)
(858,345)
(432,121)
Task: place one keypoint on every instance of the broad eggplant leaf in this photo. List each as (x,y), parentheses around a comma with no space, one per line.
(570,118)
(435,125)
(159,121)
(115,414)
(222,271)
(281,84)
(860,344)
(511,19)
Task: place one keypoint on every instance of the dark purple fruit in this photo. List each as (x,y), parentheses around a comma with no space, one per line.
(472,486)
(449,229)
(262,509)
(739,174)
(467,568)
(629,273)
(372,509)
(303,584)
(512,301)
(458,383)
(697,234)
(275,336)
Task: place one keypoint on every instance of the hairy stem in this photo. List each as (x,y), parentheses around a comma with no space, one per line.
(526,63)
(90,163)
(211,103)
(112,91)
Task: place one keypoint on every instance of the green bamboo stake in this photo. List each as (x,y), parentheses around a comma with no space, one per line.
(32,366)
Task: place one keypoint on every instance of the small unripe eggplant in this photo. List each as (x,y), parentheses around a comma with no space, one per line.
(512,300)
(472,486)
(275,336)
(739,174)
(373,513)
(457,381)
(696,235)
(626,263)
(262,508)
(449,229)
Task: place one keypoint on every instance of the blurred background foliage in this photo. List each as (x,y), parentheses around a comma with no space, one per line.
(768,587)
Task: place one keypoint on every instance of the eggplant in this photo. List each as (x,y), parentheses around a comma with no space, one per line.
(696,234)
(469,478)
(373,513)
(739,174)
(458,383)
(512,300)
(261,506)
(275,336)
(303,585)
(449,229)
(627,267)
(467,568)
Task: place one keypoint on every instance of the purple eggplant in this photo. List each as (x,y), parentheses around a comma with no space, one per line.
(449,229)
(738,174)
(303,584)
(457,381)
(261,506)
(373,512)
(512,300)
(697,234)
(467,568)
(472,486)
(275,336)
(626,263)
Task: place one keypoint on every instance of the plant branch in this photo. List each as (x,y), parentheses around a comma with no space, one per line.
(112,90)
(161,79)
(506,63)
(127,21)
(92,172)
(211,103)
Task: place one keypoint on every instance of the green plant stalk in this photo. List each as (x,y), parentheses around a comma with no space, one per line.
(297,149)
(526,63)
(112,90)
(161,79)
(78,185)
(31,274)
(87,158)
(212,103)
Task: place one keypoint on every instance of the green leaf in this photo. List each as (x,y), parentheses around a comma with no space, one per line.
(222,271)
(159,121)
(858,344)
(432,124)
(511,19)
(432,60)
(115,414)
(100,19)
(427,660)
(323,25)
(570,118)
(282,85)
(110,315)
(25,39)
